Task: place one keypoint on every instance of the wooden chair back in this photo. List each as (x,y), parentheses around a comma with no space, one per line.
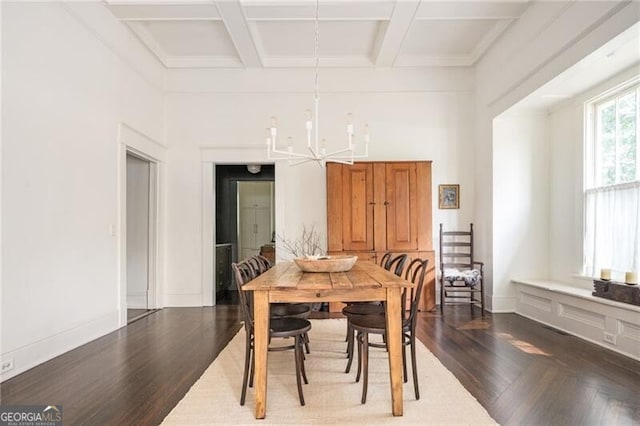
(416,272)
(395,264)
(456,249)
(244,273)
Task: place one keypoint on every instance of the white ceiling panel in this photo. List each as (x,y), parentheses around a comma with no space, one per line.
(191,38)
(149,12)
(335,38)
(353,33)
(445,37)
(369,10)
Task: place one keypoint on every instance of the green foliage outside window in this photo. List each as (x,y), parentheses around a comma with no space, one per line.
(616,128)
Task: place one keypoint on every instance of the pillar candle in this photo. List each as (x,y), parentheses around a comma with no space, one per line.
(630,278)
(605,274)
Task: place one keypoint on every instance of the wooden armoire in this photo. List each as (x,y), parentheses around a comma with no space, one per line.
(376,207)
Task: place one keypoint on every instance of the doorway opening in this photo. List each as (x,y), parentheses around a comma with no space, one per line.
(244,220)
(141,207)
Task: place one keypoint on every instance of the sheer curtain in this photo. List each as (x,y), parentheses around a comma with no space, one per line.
(612,229)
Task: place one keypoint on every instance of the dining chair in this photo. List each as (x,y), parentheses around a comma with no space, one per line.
(261,264)
(365,325)
(385,258)
(294,328)
(461,275)
(389,262)
(395,263)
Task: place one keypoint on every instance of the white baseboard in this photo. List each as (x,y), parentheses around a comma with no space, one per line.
(35,353)
(610,324)
(183,300)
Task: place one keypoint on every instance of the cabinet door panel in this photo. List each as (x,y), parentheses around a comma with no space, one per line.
(357,217)
(335,192)
(402,221)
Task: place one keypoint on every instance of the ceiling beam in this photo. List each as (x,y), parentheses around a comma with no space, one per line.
(238,28)
(342,11)
(148,41)
(387,49)
(489,38)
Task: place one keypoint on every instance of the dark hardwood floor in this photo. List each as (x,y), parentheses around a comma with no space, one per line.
(525,373)
(522,372)
(133,376)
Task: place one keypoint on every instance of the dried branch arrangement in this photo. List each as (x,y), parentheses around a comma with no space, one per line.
(308,244)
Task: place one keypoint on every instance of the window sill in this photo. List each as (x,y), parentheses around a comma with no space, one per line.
(572,290)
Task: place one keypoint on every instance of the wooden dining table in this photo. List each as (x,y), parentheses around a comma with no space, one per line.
(286,283)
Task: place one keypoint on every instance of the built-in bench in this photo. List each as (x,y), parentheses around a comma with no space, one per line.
(575,310)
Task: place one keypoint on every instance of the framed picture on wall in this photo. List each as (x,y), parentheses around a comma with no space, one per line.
(449,196)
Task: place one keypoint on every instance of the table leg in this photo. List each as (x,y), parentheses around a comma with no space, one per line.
(261,345)
(394,345)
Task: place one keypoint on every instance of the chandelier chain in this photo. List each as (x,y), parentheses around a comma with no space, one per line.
(316,53)
(316,149)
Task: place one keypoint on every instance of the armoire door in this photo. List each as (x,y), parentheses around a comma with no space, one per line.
(401,206)
(357,205)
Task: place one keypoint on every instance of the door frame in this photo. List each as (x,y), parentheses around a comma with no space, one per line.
(211,157)
(131,141)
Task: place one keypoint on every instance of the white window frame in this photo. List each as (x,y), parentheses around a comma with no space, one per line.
(592,172)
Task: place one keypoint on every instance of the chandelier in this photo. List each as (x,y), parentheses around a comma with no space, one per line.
(316,149)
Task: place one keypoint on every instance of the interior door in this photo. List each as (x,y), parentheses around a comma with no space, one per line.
(138,205)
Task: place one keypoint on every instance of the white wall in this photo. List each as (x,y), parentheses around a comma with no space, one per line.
(547,39)
(429,117)
(65,92)
(521,200)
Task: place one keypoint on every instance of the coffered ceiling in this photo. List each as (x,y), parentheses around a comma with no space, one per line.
(274,34)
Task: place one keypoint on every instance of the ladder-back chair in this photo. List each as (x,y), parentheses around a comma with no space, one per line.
(461,276)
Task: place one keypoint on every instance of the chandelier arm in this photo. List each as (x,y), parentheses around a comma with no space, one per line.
(313,151)
(340,151)
(337,160)
(298,162)
(347,156)
(294,154)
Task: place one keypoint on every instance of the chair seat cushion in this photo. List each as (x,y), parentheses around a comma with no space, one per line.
(372,323)
(363,309)
(470,277)
(287,327)
(281,310)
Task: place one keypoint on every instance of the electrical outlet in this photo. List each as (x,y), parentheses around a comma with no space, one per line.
(609,338)
(6,365)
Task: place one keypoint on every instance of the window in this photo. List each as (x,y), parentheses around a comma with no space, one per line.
(612,182)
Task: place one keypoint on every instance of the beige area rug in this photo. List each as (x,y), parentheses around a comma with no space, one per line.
(332,397)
